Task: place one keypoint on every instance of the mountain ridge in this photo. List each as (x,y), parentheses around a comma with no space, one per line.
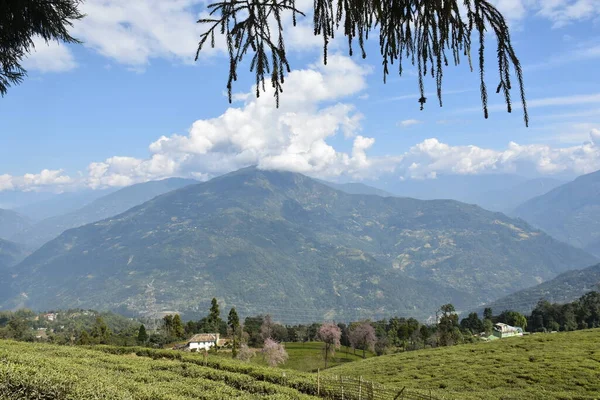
(270,237)
(570,212)
(103,207)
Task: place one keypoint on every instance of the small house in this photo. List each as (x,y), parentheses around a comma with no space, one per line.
(504,330)
(202,341)
(50,316)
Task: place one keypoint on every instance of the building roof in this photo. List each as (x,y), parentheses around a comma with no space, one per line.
(204,337)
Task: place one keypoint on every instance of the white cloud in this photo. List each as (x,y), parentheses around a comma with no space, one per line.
(134,32)
(54,179)
(564,12)
(432,157)
(570,100)
(297,137)
(49,57)
(292,137)
(409,122)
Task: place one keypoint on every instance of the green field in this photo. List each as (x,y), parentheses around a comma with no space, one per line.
(308,357)
(40,371)
(541,366)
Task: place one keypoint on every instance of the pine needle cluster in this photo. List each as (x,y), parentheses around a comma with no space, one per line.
(20,22)
(430,34)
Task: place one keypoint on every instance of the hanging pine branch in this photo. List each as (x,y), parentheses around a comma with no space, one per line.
(21,21)
(425,32)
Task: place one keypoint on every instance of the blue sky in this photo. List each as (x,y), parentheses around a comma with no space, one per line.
(130,105)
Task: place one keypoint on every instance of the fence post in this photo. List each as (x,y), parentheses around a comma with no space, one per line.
(318,381)
(372,391)
(360,388)
(342,385)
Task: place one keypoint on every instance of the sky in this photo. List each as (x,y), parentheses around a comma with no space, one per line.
(131,105)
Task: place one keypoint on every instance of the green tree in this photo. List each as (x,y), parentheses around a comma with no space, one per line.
(142,336)
(427,34)
(18,328)
(487,313)
(84,338)
(100,331)
(214,316)
(168,325)
(448,326)
(472,324)
(513,318)
(178,328)
(233,322)
(23,20)
(488,326)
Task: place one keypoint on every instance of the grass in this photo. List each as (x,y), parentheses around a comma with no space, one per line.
(308,357)
(542,366)
(42,371)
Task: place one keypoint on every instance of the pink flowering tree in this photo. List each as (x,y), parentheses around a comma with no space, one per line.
(362,336)
(274,353)
(245,353)
(330,334)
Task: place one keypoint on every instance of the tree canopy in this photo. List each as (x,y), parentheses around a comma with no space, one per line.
(430,34)
(20,22)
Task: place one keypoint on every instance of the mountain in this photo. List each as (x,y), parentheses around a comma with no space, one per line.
(279,242)
(356,188)
(12,223)
(465,188)
(10,255)
(507,199)
(565,288)
(104,207)
(10,199)
(570,212)
(60,204)
(496,192)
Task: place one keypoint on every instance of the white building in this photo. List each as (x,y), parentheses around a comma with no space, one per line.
(202,341)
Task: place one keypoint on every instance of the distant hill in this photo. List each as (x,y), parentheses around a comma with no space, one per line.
(12,223)
(10,255)
(507,199)
(101,208)
(495,192)
(570,212)
(356,188)
(60,204)
(279,242)
(565,288)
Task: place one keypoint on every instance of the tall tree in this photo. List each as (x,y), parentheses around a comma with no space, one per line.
(362,336)
(142,336)
(84,338)
(330,334)
(23,20)
(100,331)
(487,313)
(233,321)
(178,329)
(448,333)
(168,325)
(425,33)
(214,316)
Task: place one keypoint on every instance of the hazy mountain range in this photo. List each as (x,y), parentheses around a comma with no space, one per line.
(104,207)
(12,223)
(565,288)
(570,212)
(256,239)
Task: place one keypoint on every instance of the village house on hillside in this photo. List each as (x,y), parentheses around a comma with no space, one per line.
(503,331)
(202,341)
